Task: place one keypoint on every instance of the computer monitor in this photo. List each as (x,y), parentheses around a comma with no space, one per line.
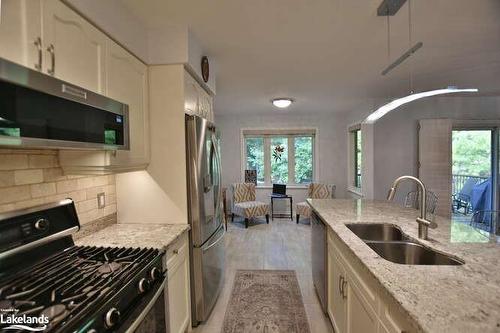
(279,189)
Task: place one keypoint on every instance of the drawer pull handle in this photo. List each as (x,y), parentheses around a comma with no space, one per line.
(344,283)
(175,251)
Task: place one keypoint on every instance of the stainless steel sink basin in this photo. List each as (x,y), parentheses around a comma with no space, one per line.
(377,231)
(410,253)
(389,242)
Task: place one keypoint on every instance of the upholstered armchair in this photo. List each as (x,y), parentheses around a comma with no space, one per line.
(314,191)
(245,205)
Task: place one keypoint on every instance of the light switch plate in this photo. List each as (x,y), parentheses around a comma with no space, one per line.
(101,200)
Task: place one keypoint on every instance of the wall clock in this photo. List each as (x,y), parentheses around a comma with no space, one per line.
(205,68)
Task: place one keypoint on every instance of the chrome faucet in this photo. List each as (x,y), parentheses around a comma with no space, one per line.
(423,223)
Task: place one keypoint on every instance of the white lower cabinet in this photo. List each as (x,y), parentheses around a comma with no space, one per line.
(355,304)
(179,297)
(337,309)
(360,316)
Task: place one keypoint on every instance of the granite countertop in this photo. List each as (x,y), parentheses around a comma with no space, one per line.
(158,236)
(462,298)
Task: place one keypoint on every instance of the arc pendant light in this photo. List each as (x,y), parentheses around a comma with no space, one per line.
(386,108)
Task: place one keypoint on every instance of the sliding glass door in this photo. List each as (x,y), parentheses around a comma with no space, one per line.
(475,198)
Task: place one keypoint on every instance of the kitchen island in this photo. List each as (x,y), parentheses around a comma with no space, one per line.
(463,298)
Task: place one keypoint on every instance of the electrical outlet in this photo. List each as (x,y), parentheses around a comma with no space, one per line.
(101,200)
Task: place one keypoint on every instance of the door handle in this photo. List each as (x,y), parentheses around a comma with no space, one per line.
(38,44)
(215,242)
(51,50)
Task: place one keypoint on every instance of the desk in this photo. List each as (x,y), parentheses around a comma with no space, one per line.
(273,197)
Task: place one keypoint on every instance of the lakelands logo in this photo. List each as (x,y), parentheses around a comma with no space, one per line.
(10,320)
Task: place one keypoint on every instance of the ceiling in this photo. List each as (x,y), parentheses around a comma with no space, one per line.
(328,54)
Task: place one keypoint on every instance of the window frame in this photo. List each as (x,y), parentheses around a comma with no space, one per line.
(290,134)
(355,179)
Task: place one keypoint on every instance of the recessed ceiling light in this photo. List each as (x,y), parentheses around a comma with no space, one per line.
(282,102)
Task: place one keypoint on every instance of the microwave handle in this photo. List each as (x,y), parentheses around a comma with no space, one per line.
(147,308)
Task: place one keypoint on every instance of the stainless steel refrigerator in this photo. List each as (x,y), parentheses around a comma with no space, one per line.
(205,215)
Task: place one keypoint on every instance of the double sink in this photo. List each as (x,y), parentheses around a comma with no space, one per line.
(389,242)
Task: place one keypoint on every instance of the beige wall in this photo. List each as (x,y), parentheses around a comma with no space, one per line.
(158,194)
(33,177)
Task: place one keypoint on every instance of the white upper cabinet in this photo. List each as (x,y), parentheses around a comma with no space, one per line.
(20,32)
(74,50)
(191,98)
(127,82)
(196,100)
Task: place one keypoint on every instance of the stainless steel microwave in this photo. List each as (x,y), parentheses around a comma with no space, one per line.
(38,110)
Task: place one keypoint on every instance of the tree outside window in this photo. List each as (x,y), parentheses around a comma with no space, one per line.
(357,150)
(255,156)
(284,159)
(279,160)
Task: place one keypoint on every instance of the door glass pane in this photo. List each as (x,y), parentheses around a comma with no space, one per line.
(255,156)
(472,188)
(279,160)
(303,159)
(358,158)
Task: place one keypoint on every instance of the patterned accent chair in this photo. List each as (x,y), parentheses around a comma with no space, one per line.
(245,205)
(314,191)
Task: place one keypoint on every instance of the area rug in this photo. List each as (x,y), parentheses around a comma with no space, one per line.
(265,301)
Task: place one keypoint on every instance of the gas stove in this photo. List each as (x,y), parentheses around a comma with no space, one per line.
(49,284)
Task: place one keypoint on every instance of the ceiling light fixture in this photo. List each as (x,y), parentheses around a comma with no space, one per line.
(386,108)
(282,103)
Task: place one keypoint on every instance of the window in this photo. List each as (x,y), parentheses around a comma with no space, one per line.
(280,156)
(357,157)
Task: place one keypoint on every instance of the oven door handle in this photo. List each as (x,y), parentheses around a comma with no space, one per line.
(147,308)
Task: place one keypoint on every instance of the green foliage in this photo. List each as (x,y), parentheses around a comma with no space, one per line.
(303,147)
(471,153)
(303,160)
(255,156)
(358,143)
(279,166)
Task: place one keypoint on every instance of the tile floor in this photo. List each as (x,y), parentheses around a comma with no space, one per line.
(280,245)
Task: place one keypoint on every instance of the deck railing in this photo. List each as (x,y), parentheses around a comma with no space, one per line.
(458,181)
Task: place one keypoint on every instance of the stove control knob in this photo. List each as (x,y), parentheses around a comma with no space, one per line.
(155,273)
(42,224)
(112,317)
(143,285)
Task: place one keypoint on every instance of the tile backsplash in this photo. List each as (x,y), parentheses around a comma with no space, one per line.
(33,177)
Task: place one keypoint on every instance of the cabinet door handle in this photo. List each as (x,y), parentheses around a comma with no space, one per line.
(51,50)
(38,44)
(344,283)
(341,283)
(175,251)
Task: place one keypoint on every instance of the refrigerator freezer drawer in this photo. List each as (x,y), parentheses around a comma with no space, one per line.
(208,275)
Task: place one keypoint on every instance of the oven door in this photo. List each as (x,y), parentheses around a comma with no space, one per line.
(151,314)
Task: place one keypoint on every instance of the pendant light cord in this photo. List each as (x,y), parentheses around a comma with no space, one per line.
(410,44)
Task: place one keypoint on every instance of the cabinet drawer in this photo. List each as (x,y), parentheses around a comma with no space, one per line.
(177,251)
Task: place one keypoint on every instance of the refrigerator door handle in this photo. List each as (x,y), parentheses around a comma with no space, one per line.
(209,246)
(219,174)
